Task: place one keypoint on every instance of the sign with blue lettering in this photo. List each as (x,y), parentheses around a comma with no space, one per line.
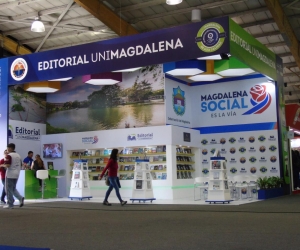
(167,45)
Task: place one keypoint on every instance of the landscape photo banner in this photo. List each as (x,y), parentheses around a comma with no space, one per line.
(167,45)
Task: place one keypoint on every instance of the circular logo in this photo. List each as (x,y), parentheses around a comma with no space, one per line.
(233,170)
(273,159)
(204,151)
(263,169)
(18,69)
(272,148)
(244,191)
(251,139)
(252,159)
(213,150)
(205,171)
(253,170)
(210,37)
(242,160)
(232,140)
(262,149)
(242,149)
(204,142)
(232,150)
(223,141)
(261,138)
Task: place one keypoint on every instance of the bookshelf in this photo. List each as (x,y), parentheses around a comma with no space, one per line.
(80,188)
(98,158)
(218,187)
(185,163)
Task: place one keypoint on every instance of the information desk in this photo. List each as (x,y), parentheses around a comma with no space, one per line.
(28,185)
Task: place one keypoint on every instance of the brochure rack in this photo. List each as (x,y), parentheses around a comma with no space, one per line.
(142,184)
(218,188)
(80,187)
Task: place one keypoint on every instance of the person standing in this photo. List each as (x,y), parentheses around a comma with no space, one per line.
(13,167)
(38,164)
(112,167)
(2,173)
(27,162)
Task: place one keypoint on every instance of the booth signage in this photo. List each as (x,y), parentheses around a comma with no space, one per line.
(4,103)
(167,45)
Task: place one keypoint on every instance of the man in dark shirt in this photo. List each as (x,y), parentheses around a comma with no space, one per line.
(28,160)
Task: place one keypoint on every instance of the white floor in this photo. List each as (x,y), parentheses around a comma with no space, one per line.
(186,201)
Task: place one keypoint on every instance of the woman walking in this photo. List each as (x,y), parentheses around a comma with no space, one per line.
(112,167)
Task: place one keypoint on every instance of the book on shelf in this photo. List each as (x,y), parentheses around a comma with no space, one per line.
(130,176)
(155,158)
(152,167)
(216,175)
(159,149)
(156,167)
(123,176)
(225,184)
(98,169)
(216,164)
(85,184)
(153,175)
(93,169)
(151,159)
(160,158)
(164,176)
(97,152)
(139,175)
(224,165)
(102,168)
(135,151)
(77,175)
(148,176)
(76,166)
(140,150)
(182,175)
(165,167)
(105,152)
(158,176)
(164,148)
(160,167)
(126,168)
(139,184)
(105,160)
(95,178)
(92,152)
(149,185)
(216,185)
(190,175)
(50,165)
(178,175)
(97,161)
(85,175)
(153,150)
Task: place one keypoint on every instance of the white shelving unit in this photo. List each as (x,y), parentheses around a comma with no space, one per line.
(142,185)
(80,187)
(218,187)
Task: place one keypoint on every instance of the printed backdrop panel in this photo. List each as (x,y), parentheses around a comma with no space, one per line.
(240,102)
(178,104)
(247,153)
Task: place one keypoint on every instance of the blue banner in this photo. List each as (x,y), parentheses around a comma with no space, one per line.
(185,42)
(3,105)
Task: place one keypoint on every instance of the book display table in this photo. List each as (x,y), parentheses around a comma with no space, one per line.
(142,184)
(218,190)
(80,187)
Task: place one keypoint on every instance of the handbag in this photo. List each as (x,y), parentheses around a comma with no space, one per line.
(107,181)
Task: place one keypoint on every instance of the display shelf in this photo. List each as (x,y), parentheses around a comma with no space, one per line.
(185,163)
(184,154)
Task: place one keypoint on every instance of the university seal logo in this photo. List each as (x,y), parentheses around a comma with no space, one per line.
(260,100)
(210,37)
(178,101)
(18,69)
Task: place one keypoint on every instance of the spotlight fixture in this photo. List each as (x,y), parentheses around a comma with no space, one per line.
(37,25)
(173,2)
(196,15)
(42,87)
(108,78)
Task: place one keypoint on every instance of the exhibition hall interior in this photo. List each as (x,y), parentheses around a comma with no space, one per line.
(201,99)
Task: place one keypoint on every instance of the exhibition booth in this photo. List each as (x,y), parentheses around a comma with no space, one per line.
(220,90)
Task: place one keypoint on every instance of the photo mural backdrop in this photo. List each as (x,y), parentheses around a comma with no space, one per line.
(236,117)
(26,106)
(138,101)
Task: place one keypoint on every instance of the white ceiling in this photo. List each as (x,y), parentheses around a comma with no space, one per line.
(68,24)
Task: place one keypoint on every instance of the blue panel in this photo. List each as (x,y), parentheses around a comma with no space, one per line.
(4,104)
(237,128)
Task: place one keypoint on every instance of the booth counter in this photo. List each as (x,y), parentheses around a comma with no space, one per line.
(28,185)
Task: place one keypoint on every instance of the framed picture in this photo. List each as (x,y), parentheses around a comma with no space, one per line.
(50,165)
(186,137)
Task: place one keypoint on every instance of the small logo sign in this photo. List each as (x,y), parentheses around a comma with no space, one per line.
(90,140)
(253,170)
(262,149)
(262,159)
(232,140)
(273,158)
(242,149)
(204,142)
(252,159)
(263,169)
(241,140)
(204,151)
(252,149)
(213,150)
(261,138)
(251,139)
(232,160)
(232,150)
(178,101)
(205,171)
(131,137)
(272,148)
(18,69)
(273,170)
(233,170)
(204,161)
(243,171)
(272,138)
(242,160)
(213,141)
(223,141)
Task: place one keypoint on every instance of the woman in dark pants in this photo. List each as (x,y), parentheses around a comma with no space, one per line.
(3,172)
(112,167)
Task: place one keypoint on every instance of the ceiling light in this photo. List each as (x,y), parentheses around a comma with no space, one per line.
(42,87)
(232,67)
(128,70)
(37,25)
(196,15)
(108,78)
(61,79)
(173,2)
(184,68)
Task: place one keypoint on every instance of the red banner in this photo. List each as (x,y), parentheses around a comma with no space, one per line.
(292,114)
